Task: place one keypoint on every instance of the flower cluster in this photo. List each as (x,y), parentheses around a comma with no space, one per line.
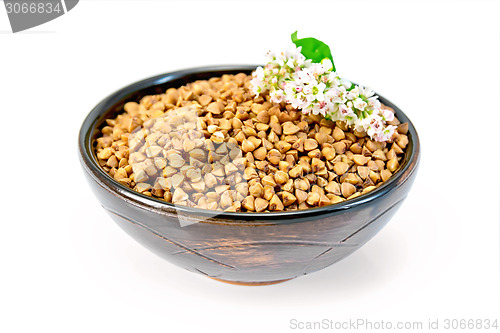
(315,88)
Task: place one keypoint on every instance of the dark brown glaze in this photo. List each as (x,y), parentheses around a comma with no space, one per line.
(242,248)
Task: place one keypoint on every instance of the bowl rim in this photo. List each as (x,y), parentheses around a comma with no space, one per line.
(98,114)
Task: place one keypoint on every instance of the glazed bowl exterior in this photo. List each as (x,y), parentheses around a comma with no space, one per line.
(242,248)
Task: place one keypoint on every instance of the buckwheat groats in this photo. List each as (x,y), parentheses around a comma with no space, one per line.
(213,144)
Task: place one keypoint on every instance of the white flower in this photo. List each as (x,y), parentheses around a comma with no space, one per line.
(305,76)
(277,96)
(386,115)
(346,83)
(353,93)
(327,65)
(334,79)
(345,111)
(374,127)
(374,102)
(315,88)
(365,91)
(360,104)
(385,134)
(317,69)
(259,73)
(318,91)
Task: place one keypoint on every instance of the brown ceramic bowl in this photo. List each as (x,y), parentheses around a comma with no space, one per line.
(241,248)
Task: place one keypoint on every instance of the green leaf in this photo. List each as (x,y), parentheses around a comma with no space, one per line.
(313,49)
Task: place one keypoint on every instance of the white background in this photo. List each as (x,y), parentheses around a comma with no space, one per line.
(66,267)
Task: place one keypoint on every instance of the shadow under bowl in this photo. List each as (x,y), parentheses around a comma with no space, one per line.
(240,248)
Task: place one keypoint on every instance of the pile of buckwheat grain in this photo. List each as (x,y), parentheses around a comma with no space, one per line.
(212,144)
